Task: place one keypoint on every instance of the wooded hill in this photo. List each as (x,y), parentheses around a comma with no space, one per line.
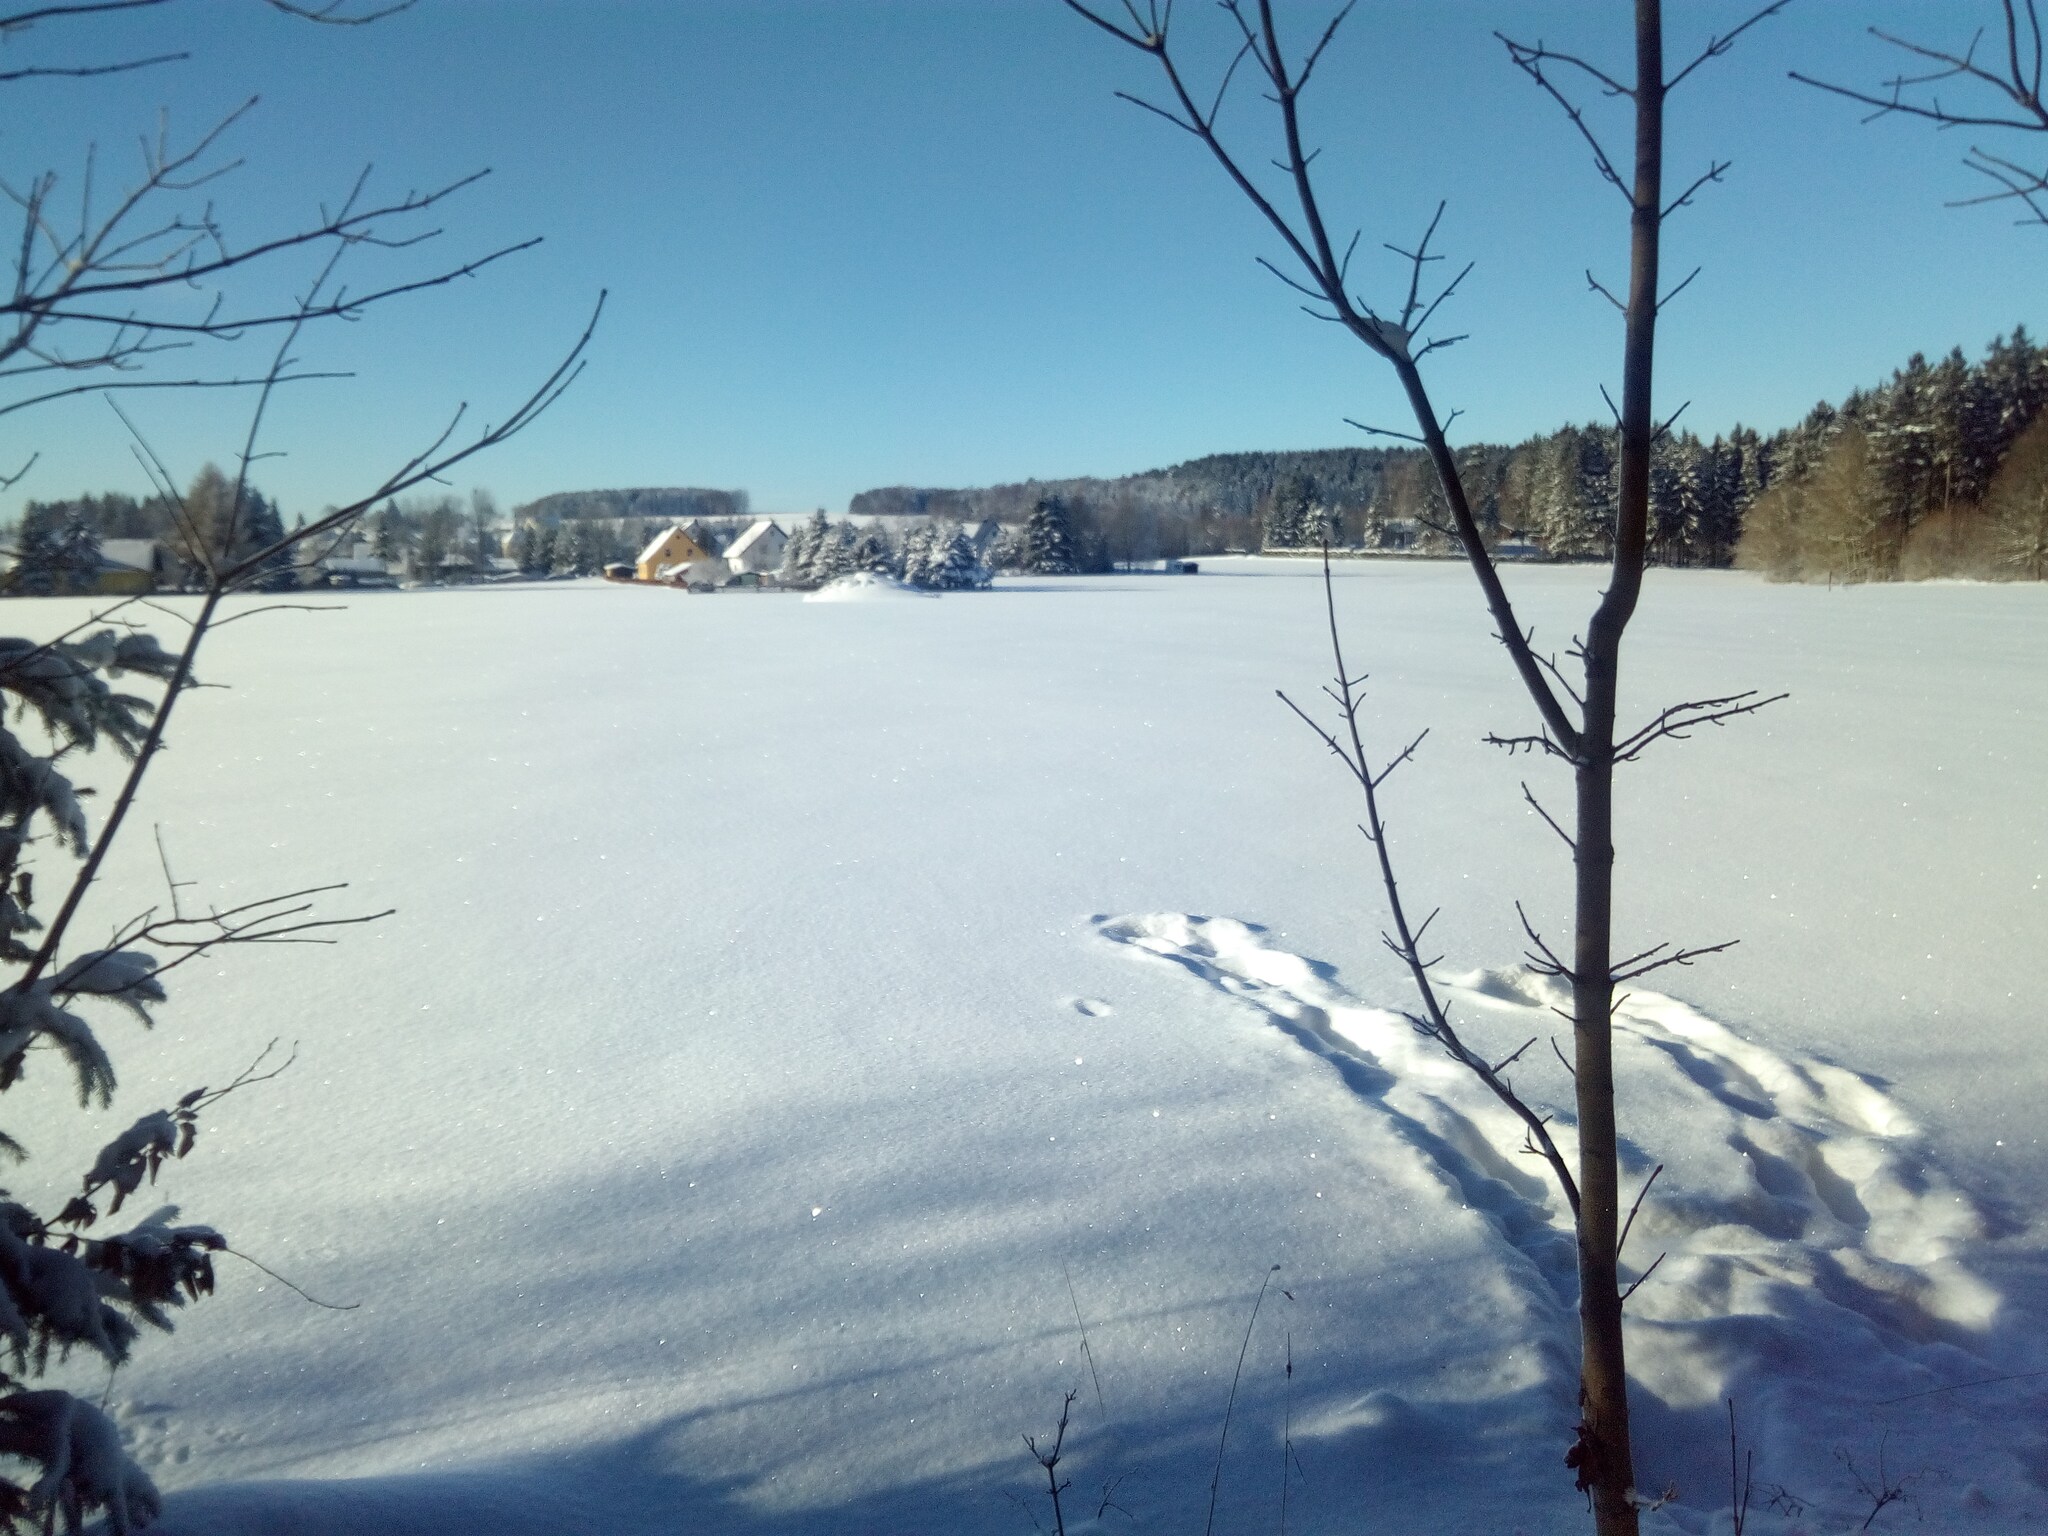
(1899,480)
(656,504)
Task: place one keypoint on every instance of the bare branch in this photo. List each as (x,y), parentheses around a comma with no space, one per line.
(1536,806)
(1663,428)
(290,1285)
(1677,721)
(1536,743)
(1629,1225)
(1643,964)
(1531,61)
(1645,1275)
(2018,182)
(335,14)
(1543,960)
(83,71)
(1405,940)
(1713,172)
(1406,437)
(1716,46)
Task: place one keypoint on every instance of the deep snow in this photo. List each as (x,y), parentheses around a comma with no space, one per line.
(787,1003)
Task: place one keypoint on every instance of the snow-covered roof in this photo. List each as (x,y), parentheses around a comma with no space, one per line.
(754,535)
(128,554)
(661,538)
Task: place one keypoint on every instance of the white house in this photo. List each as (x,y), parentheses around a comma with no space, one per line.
(758,549)
(355,564)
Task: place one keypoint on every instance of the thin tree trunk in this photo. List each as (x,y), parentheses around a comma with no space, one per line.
(1604,1372)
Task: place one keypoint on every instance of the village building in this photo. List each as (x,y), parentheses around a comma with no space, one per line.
(133,565)
(759,549)
(354,564)
(671,552)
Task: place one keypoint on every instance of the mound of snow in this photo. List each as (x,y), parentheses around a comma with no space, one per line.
(863,587)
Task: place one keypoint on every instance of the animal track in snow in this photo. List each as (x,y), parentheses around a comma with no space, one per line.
(1794,1191)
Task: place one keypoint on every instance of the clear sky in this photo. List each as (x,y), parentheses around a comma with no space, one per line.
(853,243)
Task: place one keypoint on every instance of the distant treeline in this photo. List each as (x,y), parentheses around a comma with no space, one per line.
(1927,474)
(663,505)
(1941,470)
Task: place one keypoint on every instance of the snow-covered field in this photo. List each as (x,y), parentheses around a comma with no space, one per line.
(797,1016)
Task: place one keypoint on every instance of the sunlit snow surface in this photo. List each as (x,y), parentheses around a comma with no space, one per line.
(794,1014)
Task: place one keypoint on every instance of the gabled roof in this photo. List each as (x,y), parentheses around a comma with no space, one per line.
(757,534)
(654,549)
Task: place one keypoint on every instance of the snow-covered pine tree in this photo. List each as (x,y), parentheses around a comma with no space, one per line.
(78,554)
(802,546)
(1670,461)
(952,565)
(917,555)
(38,552)
(1287,511)
(1592,530)
(833,556)
(872,551)
(1007,552)
(1049,539)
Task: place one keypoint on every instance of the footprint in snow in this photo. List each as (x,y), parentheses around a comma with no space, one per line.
(1796,1194)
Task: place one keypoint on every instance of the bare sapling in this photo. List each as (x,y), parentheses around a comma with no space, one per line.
(1578,721)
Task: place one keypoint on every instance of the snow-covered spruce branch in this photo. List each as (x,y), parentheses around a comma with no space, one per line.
(134,1157)
(1405,940)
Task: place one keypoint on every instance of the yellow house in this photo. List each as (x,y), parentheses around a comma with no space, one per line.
(675,547)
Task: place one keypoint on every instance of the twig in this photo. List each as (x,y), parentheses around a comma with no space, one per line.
(331,1306)
(1223,1439)
(1627,1226)
(1050,1460)
(1086,1353)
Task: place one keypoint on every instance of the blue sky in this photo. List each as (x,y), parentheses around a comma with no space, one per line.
(853,243)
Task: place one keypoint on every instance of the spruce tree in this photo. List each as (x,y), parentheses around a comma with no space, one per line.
(917,555)
(1049,539)
(833,556)
(1287,511)
(78,554)
(39,551)
(872,552)
(802,547)
(952,565)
